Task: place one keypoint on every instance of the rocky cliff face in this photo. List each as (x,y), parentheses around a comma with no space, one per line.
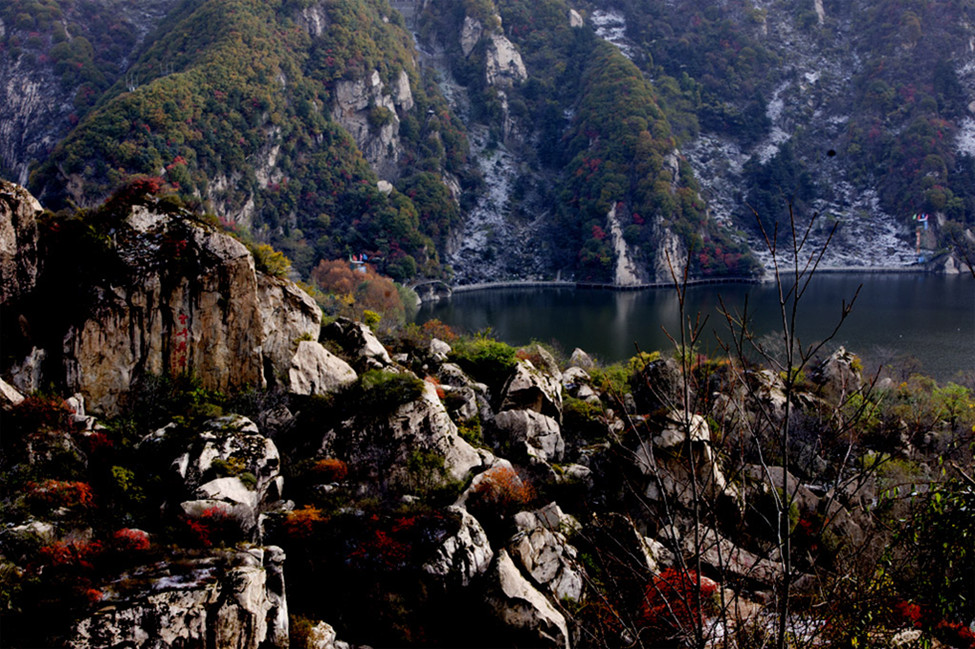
(369,110)
(168,296)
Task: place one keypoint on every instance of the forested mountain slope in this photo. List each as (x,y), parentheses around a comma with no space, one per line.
(485,140)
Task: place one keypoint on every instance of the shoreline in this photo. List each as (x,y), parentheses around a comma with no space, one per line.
(607,286)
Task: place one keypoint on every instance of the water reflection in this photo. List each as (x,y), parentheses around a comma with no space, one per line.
(927,316)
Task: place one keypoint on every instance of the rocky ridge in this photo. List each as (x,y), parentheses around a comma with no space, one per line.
(445,477)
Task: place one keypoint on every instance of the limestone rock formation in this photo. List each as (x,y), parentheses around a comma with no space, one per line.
(463,556)
(187,301)
(520,606)
(233,600)
(288,315)
(315,370)
(541,548)
(228,465)
(359,342)
(503,65)
(530,435)
(532,389)
(18,241)
(366,108)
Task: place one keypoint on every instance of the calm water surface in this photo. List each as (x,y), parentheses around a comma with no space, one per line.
(929,317)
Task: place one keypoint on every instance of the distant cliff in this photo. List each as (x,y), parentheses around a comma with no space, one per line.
(481,140)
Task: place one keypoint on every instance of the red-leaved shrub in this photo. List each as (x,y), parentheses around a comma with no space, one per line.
(674,602)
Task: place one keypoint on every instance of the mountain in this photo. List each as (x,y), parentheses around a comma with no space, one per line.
(482,140)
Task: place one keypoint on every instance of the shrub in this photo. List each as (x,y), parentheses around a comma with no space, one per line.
(127,540)
(674,602)
(485,359)
(380,393)
(500,492)
(301,523)
(211,526)
(60,493)
(37,412)
(330,470)
(270,261)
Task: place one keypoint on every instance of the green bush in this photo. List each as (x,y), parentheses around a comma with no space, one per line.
(380,393)
(485,359)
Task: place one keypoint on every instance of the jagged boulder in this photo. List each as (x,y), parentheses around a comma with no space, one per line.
(842,372)
(668,466)
(722,555)
(544,554)
(521,607)
(389,445)
(18,241)
(9,397)
(470,34)
(530,388)
(358,341)
(464,555)
(581,359)
(577,383)
(530,435)
(659,386)
(288,316)
(315,370)
(227,466)
(234,600)
(503,66)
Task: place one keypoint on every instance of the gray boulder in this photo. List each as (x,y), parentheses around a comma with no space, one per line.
(521,607)
(530,435)
(541,548)
(532,389)
(464,555)
(315,370)
(358,341)
(288,315)
(18,241)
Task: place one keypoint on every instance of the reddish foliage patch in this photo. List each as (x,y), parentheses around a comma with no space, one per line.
(331,470)
(60,493)
(674,601)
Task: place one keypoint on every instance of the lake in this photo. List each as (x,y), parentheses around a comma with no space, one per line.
(928,317)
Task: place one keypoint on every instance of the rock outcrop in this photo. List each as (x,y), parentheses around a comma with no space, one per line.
(463,556)
(228,467)
(288,316)
(522,608)
(18,241)
(236,599)
(367,109)
(315,370)
(162,294)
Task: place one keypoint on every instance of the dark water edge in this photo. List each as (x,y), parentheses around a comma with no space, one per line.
(927,317)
